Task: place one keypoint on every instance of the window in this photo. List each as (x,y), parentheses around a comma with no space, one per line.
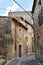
(19,29)
(20,32)
(39,2)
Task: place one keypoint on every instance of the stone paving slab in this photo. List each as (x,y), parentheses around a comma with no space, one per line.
(30,60)
(13,62)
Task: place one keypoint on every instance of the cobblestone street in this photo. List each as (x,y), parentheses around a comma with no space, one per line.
(31,60)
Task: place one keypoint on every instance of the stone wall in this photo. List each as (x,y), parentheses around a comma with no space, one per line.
(25,16)
(22,14)
(30,39)
(20,33)
(15,35)
(38,31)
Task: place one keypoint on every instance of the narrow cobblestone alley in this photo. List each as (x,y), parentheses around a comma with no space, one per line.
(30,60)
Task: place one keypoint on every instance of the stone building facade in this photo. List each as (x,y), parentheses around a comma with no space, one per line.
(26,42)
(19,32)
(28,22)
(12,38)
(16,37)
(37,12)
